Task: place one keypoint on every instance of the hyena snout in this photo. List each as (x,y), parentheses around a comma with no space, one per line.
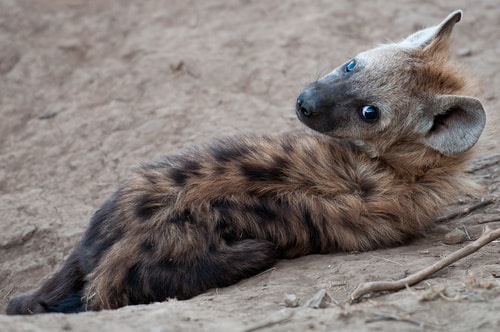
(313,107)
(308,103)
(336,107)
(319,106)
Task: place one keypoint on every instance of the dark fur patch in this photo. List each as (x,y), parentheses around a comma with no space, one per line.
(71,304)
(219,170)
(212,248)
(184,169)
(191,166)
(145,208)
(276,172)
(224,154)
(230,237)
(147,247)
(155,281)
(183,217)
(179,176)
(262,210)
(103,232)
(313,231)
(345,221)
(135,284)
(367,187)
(223,208)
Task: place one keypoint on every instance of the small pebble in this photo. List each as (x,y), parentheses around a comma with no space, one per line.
(320,300)
(292,300)
(464,52)
(47,115)
(456,236)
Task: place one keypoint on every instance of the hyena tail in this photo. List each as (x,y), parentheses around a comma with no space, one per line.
(61,293)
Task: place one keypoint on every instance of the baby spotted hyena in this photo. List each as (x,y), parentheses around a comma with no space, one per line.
(393,126)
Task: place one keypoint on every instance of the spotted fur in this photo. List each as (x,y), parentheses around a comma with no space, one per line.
(219,213)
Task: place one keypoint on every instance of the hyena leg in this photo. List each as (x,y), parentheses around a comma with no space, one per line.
(123,282)
(61,293)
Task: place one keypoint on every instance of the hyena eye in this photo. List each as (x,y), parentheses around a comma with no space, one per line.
(369,114)
(350,66)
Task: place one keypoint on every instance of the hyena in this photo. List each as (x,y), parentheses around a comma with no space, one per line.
(391,131)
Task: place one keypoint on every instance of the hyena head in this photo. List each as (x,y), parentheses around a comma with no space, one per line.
(406,96)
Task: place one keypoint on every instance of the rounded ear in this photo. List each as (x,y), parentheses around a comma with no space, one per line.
(437,33)
(456,123)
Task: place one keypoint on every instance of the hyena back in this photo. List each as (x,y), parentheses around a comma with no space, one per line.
(392,130)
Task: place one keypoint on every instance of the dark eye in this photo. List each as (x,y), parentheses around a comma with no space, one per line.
(369,114)
(350,66)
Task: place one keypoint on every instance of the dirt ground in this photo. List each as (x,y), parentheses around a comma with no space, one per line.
(88,89)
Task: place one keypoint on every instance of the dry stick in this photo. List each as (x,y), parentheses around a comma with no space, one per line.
(384,317)
(488,220)
(276,318)
(379,286)
(465,210)
(8,293)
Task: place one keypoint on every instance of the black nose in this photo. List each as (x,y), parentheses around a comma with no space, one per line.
(305,104)
(301,108)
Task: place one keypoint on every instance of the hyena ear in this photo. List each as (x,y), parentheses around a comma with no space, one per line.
(455,123)
(422,38)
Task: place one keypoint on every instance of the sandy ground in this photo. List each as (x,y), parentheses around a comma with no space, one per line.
(88,89)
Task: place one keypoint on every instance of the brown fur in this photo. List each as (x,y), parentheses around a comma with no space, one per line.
(219,213)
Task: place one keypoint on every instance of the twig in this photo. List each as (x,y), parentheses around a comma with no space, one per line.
(466,210)
(379,286)
(394,317)
(466,233)
(276,318)
(488,220)
(8,293)
(456,298)
(389,260)
(266,271)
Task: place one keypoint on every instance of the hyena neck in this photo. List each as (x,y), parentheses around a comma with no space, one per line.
(413,162)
